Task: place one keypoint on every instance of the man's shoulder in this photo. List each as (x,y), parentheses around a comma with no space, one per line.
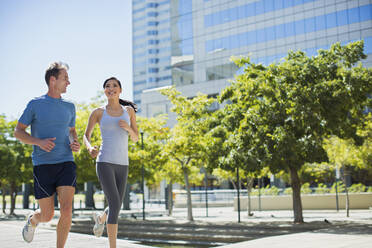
(38,99)
(68,102)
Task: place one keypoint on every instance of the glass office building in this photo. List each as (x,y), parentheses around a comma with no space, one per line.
(188,43)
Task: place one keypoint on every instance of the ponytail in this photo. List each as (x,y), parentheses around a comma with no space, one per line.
(128,103)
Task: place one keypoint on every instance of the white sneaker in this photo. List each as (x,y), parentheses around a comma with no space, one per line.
(98,227)
(28,230)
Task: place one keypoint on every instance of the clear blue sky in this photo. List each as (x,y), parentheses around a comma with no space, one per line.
(92,36)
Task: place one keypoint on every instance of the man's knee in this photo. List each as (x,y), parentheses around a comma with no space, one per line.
(66,211)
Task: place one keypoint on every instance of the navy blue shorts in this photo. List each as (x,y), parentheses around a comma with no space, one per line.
(47,177)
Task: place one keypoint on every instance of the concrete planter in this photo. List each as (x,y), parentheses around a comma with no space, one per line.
(309,201)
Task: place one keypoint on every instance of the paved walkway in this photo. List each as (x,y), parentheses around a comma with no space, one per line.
(357,234)
(308,240)
(10,237)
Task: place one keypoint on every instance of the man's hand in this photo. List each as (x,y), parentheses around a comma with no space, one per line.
(47,144)
(93,151)
(75,146)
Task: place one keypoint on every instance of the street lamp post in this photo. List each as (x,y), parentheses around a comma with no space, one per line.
(206,189)
(337,177)
(238,187)
(143,182)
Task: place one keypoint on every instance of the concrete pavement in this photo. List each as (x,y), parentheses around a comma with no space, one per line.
(353,231)
(11,237)
(308,240)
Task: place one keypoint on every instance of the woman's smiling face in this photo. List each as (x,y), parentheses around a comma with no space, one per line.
(112,89)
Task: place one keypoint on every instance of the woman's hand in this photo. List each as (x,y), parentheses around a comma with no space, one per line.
(124,125)
(93,151)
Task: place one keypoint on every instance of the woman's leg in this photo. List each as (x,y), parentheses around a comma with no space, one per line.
(113,180)
(103,217)
(121,175)
(112,233)
(121,181)
(106,176)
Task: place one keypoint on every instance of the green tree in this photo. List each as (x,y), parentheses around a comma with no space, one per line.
(364,155)
(285,109)
(7,161)
(185,145)
(15,162)
(85,169)
(342,153)
(154,135)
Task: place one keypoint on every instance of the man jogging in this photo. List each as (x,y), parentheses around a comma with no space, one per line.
(54,138)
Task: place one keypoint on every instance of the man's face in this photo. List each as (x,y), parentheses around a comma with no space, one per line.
(62,81)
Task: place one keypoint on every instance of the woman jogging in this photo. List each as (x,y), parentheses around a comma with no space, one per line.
(117,120)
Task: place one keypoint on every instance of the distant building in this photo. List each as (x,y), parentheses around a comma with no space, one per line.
(188,43)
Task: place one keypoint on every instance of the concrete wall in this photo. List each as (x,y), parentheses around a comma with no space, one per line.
(313,201)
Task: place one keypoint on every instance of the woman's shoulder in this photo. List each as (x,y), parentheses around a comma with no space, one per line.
(130,110)
(98,111)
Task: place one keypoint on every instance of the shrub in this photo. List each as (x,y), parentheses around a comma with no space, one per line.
(287,191)
(305,189)
(357,188)
(340,187)
(271,190)
(322,189)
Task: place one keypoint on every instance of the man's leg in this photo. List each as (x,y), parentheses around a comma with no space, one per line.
(65,196)
(45,212)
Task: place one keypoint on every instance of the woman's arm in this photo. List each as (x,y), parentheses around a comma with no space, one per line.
(93,120)
(132,129)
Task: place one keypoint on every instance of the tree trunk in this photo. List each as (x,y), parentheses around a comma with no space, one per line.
(296,195)
(259,194)
(13,196)
(189,203)
(89,192)
(347,193)
(249,189)
(170,198)
(4,201)
(233,183)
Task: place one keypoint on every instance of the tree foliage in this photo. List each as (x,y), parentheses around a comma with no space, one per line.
(186,143)
(281,112)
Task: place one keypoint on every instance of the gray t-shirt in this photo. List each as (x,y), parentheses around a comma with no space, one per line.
(114,147)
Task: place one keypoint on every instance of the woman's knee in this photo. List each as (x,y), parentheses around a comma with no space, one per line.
(113,215)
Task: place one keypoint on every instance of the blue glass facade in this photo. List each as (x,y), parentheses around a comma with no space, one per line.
(249,10)
(188,43)
(312,24)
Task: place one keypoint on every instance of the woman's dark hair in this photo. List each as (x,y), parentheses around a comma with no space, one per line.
(121,101)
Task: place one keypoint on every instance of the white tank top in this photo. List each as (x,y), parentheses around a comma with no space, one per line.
(114,147)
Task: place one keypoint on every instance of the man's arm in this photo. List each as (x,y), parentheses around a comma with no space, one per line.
(75,146)
(21,134)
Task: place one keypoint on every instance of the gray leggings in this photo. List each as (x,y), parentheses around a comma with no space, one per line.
(113,179)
